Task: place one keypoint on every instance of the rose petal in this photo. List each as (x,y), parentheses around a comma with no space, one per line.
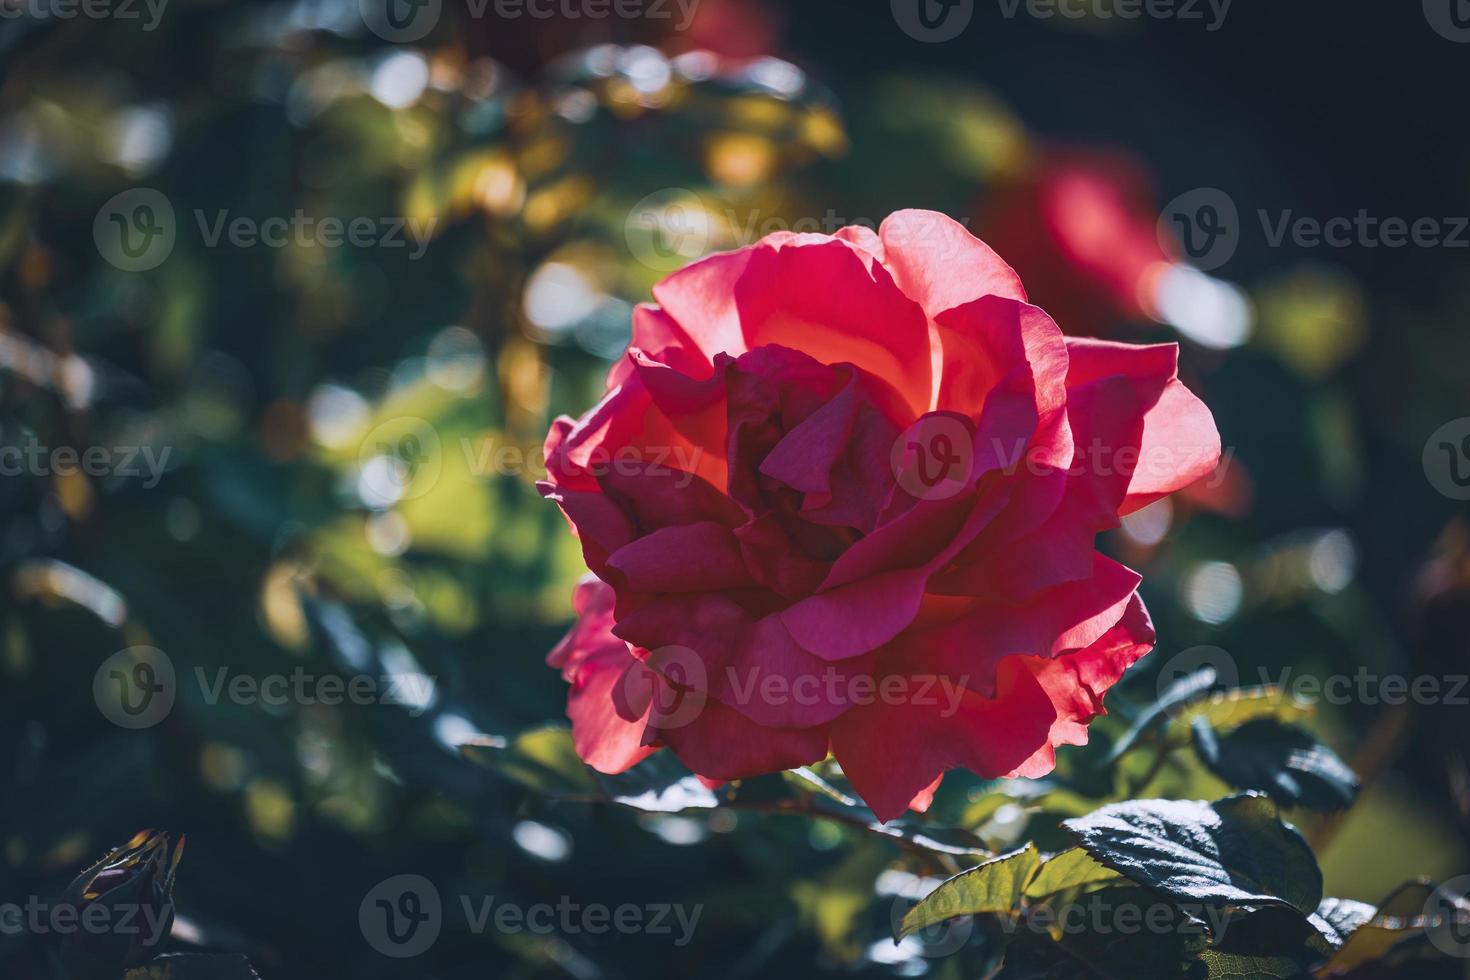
(891,751)
(822,298)
(938,263)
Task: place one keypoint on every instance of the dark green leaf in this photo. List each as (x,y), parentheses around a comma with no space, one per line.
(545,760)
(542,759)
(195,966)
(1416,922)
(659,784)
(807,780)
(1183,689)
(1123,933)
(1341,916)
(1236,851)
(1234,966)
(1281,760)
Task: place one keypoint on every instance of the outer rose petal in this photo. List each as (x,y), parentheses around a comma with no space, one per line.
(700,298)
(599,703)
(925,799)
(739,656)
(1078,682)
(892,752)
(607,705)
(721,743)
(941,265)
(1180,443)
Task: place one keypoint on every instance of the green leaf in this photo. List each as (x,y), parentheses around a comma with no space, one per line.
(1281,760)
(1341,916)
(1123,933)
(1399,930)
(805,779)
(1227,710)
(1183,689)
(1073,868)
(1233,852)
(194,966)
(1235,966)
(658,784)
(542,759)
(995,887)
(545,760)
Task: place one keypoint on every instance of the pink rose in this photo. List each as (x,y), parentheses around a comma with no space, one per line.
(841,496)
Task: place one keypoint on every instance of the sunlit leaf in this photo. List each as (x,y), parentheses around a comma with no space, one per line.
(1073,868)
(993,887)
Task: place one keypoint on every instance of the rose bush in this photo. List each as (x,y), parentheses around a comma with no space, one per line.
(880,543)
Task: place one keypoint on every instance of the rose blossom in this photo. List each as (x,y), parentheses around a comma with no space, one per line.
(884,549)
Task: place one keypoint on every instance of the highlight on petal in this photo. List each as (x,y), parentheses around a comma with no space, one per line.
(937,262)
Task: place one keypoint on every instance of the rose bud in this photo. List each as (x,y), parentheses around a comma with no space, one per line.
(120,909)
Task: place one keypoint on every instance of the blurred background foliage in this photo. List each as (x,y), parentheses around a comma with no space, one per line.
(351,433)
